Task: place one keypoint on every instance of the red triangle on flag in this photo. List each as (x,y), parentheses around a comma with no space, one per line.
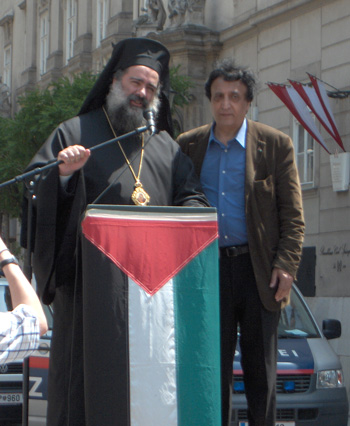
(150,252)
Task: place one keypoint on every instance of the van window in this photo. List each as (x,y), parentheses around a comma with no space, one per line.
(296,321)
(5,299)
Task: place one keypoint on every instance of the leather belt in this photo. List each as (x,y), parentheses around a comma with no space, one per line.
(234,251)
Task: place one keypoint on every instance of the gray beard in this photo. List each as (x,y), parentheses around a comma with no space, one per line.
(124,117)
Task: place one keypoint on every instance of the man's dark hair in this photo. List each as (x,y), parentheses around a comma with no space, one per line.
(229,71)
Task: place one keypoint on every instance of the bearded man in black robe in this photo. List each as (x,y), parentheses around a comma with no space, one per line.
(142,169)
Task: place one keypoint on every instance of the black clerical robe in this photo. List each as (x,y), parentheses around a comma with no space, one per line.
(168,177)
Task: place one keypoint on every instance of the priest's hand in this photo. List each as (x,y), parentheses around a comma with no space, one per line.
(74,158)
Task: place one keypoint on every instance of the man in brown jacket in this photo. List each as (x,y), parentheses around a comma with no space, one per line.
(248,172)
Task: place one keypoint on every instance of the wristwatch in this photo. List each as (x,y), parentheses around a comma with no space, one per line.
(7,261)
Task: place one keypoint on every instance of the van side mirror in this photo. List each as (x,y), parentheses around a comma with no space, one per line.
(331,328)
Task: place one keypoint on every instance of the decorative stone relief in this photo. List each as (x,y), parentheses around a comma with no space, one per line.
(184,12)
(154,17)
(180,12)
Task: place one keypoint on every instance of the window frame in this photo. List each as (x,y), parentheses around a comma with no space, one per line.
(7,72)
(101,21)
(71,22)
(44,41)
(305,156)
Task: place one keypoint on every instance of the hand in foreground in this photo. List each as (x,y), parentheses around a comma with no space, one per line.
(74,158)
(282,281)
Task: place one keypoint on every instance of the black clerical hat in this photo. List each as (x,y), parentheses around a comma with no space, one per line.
(142,51)
(126,53)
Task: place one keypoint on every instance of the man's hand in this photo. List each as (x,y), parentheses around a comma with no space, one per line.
(74,158)
(282,281)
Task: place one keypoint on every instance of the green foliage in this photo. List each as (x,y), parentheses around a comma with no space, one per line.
(180,87)
(41,111)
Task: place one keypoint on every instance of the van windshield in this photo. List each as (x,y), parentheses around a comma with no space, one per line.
(295,320)
(5,298)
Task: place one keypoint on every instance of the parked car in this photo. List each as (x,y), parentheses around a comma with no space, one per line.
(11,375)
(310,382)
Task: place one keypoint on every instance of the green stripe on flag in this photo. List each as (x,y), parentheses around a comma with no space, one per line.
(197,335)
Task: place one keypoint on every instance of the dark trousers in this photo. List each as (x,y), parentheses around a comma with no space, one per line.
(240,305)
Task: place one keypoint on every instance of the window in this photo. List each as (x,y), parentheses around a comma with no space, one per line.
(70,28)
(8,31)
(101,21)
(305,152)
(44,41)
(7,67)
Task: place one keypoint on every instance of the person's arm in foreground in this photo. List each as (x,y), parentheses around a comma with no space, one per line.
(20,328)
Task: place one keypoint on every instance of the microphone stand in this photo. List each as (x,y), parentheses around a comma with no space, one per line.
(30,185)
(54,163)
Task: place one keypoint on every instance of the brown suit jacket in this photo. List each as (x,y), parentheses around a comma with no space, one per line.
(273,200)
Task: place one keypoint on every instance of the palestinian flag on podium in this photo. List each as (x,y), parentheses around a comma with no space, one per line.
(151,316)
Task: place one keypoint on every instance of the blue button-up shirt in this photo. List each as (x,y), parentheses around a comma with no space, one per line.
(222,178)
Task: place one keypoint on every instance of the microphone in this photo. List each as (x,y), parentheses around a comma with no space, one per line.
(148,115)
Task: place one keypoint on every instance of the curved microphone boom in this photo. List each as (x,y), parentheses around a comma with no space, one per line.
(148,114)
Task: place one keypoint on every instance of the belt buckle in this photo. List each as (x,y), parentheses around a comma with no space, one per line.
(232,251)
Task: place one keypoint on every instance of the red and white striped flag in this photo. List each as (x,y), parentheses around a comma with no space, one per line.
(323,98)
(297,106)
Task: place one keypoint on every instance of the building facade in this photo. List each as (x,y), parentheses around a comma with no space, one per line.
(43,40)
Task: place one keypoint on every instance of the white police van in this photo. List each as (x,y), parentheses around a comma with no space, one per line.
(310,382)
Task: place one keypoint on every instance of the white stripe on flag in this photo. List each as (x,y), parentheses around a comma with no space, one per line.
(152,357)
(296,105)
(305,115)
(312,100)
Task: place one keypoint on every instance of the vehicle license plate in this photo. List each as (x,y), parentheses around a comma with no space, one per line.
(11,398)
(277,424)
